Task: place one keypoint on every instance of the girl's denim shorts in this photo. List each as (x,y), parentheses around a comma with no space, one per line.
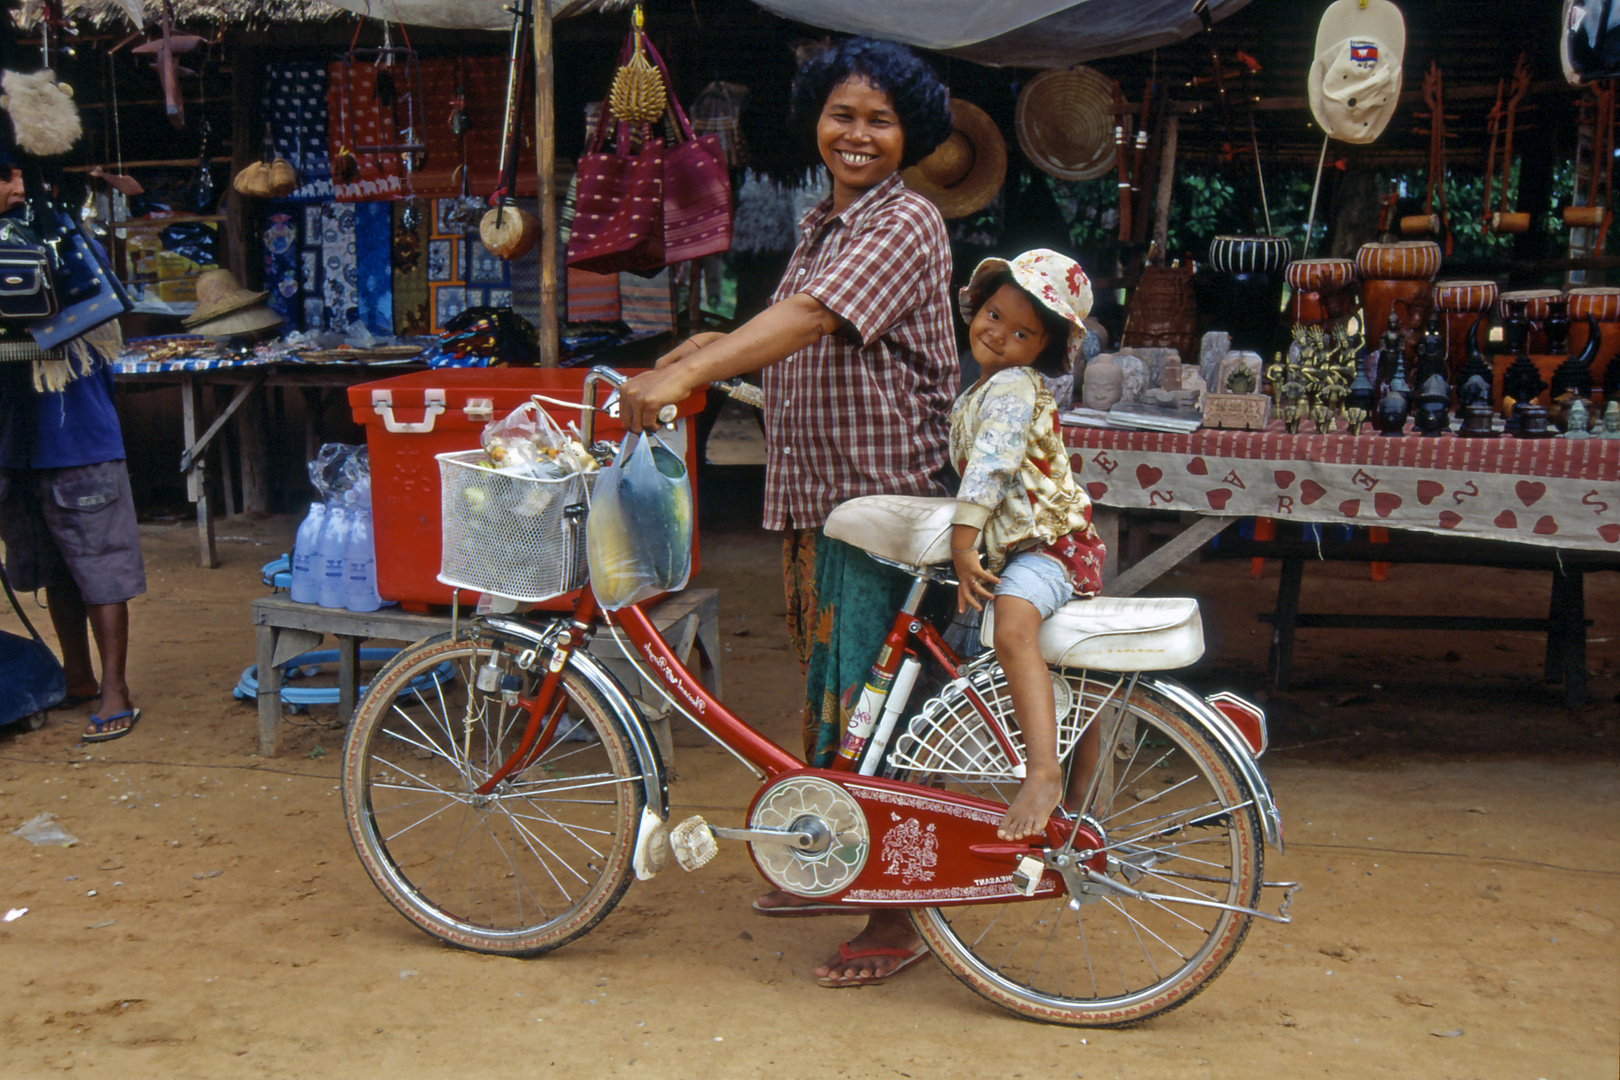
(1038,578)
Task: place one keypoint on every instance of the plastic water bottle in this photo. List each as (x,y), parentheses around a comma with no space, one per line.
(360,564)
(334,544)
(306,560)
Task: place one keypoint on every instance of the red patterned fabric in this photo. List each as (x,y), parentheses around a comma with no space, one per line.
(356,118)
(864,411)
(1552,492)
(483,82)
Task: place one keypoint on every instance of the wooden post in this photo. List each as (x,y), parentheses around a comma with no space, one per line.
(1167,177)
(197,475)
(545,154)
(250,447)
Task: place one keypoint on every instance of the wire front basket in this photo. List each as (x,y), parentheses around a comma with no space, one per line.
(518,537)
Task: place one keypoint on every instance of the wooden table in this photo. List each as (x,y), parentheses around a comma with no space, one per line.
(245,378)
(285,629)
(1550,504)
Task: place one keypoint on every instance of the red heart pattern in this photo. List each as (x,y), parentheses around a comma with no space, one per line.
(1546,526)
(1529,491)
(1283,477)
(1310,491)
(1218,497)
(1350,507)
(1450,519)
(1610,532)
(1507,520)
(1386,503)
(1096,489)
(1198,467)
(1428,491)
(1147,475)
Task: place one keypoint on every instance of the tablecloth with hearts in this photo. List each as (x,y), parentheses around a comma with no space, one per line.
(1552,492)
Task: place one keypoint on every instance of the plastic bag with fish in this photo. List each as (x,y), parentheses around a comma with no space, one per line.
(638,538)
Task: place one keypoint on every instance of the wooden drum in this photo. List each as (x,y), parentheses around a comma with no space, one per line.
(1248,291)
(1603,304)
(1324,290)
(1396,277)
(1460,304)
(1535,309)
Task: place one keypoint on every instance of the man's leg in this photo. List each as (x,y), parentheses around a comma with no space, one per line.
(68,616)
(110,624)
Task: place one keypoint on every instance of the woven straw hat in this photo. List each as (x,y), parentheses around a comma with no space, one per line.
(965,171)
(219,293)
(246,320)
(1065,122)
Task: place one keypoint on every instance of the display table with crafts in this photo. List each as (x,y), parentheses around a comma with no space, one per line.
(193,362)
(1545,503)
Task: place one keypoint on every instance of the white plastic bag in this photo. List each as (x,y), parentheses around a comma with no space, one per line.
(638,538)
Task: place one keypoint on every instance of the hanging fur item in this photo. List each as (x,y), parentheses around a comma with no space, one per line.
(42,112)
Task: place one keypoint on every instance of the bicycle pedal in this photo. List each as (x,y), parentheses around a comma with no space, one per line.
(1027,878)
(692,843)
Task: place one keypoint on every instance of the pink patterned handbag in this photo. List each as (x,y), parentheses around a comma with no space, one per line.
(697,188)
(619,204)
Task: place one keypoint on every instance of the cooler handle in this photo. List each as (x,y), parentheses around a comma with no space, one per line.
(382,403)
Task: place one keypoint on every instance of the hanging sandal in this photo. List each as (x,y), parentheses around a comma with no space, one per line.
(103,735)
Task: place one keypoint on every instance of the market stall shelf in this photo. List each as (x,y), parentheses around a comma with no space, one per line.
(1551,503)
(192,368)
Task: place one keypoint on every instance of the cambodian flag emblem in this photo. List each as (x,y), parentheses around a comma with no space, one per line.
(1364,52)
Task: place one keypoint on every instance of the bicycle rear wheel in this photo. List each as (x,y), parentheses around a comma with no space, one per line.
(1176,822)
(532,865)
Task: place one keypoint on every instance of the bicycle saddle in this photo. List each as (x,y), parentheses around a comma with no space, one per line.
(1114,633)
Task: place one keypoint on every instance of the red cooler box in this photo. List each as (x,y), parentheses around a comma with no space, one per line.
(411,418)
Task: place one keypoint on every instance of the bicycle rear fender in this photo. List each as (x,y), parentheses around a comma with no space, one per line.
(649,762)
(1227,736)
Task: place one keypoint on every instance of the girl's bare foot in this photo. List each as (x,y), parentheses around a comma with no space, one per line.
(1033,805)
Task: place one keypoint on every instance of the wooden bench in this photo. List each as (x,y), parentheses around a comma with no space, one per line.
(285,629)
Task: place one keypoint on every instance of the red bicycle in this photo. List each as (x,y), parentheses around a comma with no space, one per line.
(502,787)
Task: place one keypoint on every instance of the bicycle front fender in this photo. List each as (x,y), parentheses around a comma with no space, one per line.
(649,762)
(1228,738)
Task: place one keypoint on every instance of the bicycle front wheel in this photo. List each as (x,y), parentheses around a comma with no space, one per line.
(1179,830)
(528,867)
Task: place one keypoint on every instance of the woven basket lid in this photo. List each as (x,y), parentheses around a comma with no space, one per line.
(1065,122)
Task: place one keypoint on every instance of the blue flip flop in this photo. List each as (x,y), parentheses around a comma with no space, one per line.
(101,735)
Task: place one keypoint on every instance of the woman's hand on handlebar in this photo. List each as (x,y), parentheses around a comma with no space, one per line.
(640,398)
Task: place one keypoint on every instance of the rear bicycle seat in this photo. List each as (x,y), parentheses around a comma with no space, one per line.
(1112,633)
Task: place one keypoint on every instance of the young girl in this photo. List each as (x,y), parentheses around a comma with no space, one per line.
(1025,318)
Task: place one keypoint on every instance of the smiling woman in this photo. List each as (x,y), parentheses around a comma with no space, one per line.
(860,368)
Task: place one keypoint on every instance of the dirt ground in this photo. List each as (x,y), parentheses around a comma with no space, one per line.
(1452,823)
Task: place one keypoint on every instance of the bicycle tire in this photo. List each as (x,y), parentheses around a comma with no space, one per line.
(1176,820)
(531,866)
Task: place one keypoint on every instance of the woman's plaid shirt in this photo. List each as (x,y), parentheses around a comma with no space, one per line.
(864,411)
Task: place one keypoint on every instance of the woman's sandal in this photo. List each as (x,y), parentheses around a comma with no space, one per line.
(907,957)
(103,735)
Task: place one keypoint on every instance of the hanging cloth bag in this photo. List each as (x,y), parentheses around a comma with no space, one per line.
(638,537)
(697,188)
(619,200)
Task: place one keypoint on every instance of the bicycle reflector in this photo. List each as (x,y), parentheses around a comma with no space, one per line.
(1247,717)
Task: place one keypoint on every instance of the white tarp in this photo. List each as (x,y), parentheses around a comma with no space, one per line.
(466,14)
(1019,33)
